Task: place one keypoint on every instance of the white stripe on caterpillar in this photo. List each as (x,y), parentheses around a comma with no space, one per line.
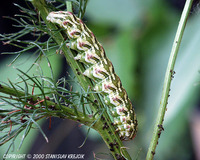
(100,70)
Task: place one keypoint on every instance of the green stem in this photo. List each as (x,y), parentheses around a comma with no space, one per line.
(168,77)
(69,6)
(109,136)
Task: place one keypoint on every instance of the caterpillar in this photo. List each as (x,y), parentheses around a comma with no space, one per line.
(100,69)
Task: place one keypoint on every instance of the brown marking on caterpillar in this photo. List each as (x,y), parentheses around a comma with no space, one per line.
(65,22)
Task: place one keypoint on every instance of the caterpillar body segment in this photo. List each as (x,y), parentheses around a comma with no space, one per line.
(100,69)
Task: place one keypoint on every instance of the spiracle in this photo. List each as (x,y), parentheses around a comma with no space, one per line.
(100,69)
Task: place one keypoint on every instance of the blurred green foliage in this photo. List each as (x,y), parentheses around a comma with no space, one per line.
(137,37)
(8,72)
(138,42)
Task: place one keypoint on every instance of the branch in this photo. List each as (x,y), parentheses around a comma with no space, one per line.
(168,77)
(63,111)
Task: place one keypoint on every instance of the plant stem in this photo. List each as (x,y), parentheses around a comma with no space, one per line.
(69,6)
(167,82)
(108,135)
(66,111)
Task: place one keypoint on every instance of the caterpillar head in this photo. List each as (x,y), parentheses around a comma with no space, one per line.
(58,17)
(67,21)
